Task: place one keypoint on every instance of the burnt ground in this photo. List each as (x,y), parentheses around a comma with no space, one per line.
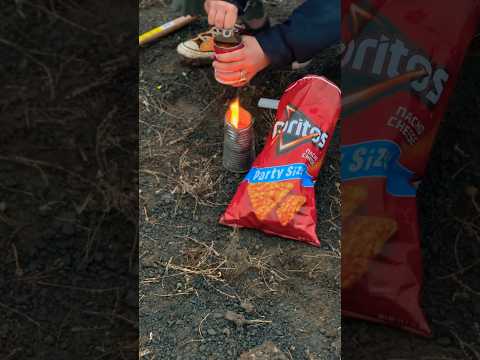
(448,203)
(192,270)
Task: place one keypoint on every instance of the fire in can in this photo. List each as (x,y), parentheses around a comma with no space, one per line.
(239,139)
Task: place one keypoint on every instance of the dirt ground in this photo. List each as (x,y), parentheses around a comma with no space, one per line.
(68,198)
(450,215)
(192,270)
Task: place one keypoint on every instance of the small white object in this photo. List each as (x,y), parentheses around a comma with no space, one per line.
(268,103)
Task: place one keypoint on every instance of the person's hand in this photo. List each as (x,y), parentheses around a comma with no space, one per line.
(238,67)
(221,14)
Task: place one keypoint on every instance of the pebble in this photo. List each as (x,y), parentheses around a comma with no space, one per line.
(64,243)
(150,261)
(217,315)
(202,348)
(40,244)
(195,230)
(266,351)
(166,198)
(4,330)
(49,339)
(112,264)
(476,308)
(211,332)
(247,306)
(44,210)
(131,299)
(331,333)
(99,257)
(67,260)
(3,206)
(226,331)
(68,215)
(444,341)
(48,235)
(68,229)
(10,182)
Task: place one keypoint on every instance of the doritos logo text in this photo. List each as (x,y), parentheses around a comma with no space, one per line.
(297,130)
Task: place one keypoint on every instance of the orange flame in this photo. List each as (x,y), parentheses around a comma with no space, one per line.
(235,113)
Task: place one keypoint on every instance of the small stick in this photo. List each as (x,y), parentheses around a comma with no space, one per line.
(165,29)
(18,270)
(200,325)
(172,295)
(25,316)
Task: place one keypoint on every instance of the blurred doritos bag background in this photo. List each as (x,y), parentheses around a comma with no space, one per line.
(399,67)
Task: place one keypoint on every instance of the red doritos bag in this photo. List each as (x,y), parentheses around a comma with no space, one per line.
(277,194)
(400,65)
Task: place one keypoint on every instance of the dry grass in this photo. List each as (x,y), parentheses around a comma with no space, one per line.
(222,267)
(197,178)
(168,155)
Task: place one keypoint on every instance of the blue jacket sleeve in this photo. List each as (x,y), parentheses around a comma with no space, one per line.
(313,26)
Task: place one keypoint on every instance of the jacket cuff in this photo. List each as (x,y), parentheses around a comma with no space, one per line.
(275,47)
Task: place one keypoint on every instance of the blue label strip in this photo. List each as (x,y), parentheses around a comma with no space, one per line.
(280,173)
(377,159)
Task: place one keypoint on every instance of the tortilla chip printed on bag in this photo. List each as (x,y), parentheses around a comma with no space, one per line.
(265,196)
(353,196)
(399,67)
(363,238)
(289,208)
(277,194)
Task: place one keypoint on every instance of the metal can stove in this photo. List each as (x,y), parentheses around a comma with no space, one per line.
(238,147)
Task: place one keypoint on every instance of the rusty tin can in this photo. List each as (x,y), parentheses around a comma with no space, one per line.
(238,147)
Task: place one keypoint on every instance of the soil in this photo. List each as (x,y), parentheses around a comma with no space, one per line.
(68,196)
(449,212)
(269,288)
